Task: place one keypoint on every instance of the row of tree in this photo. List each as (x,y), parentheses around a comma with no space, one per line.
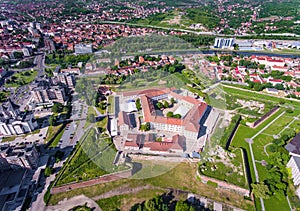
(276,181)
(165,203)
(64,59)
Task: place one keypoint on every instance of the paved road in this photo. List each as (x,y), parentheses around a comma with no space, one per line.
(191,31)
(73,129)
(40,64)
(39,203)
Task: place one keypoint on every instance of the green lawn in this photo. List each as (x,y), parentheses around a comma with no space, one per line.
(275,128)
(57,138)
(274,204)
(9,139)
(157,78)
(151,168)
(258,149)
(52,131)
(244,132)
(94,158)
(22,78)
(231,171)
(91,110)
(126,201)
(258,146)
(260,96)
(111,104)
(181,177)
(81,167)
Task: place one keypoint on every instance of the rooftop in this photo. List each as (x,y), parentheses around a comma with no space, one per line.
(294,145)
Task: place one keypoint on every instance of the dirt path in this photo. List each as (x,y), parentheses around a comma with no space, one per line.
(68,204)
(103,179)
(121,191)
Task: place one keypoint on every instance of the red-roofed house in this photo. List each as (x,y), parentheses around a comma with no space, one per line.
(274,81)
(279,68)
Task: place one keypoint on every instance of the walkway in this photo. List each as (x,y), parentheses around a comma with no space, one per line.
(288,126)
(99,180)
(265,148)
(250,142)
(68,204)
(121,191)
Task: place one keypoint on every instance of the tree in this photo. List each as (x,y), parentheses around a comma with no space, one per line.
(58,155)
(66,109)
(48,171)
(183,206)
(178,116)
(159,105)
(236,46)
(258,87)
(173,100)
(2,97)
(102,105)
(166,104)
(138,104)
(261,190)
(170,114)
(91,118)
(57,108)
(145,127)
(52,120)
(279,86)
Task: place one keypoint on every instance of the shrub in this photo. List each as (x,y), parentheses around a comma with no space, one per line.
(272,148)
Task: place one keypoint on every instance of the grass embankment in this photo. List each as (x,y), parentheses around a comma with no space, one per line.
(52,131)
(181,177)
(81,168)
(93,158)
(252,95)
(111,104)
(57,138)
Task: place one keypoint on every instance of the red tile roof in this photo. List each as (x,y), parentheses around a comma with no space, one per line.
(190,121)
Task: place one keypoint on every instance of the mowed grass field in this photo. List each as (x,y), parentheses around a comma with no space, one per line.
(259,154)
(259,96)
(265,138)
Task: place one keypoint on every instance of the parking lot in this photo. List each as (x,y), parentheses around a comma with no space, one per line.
(32,138)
